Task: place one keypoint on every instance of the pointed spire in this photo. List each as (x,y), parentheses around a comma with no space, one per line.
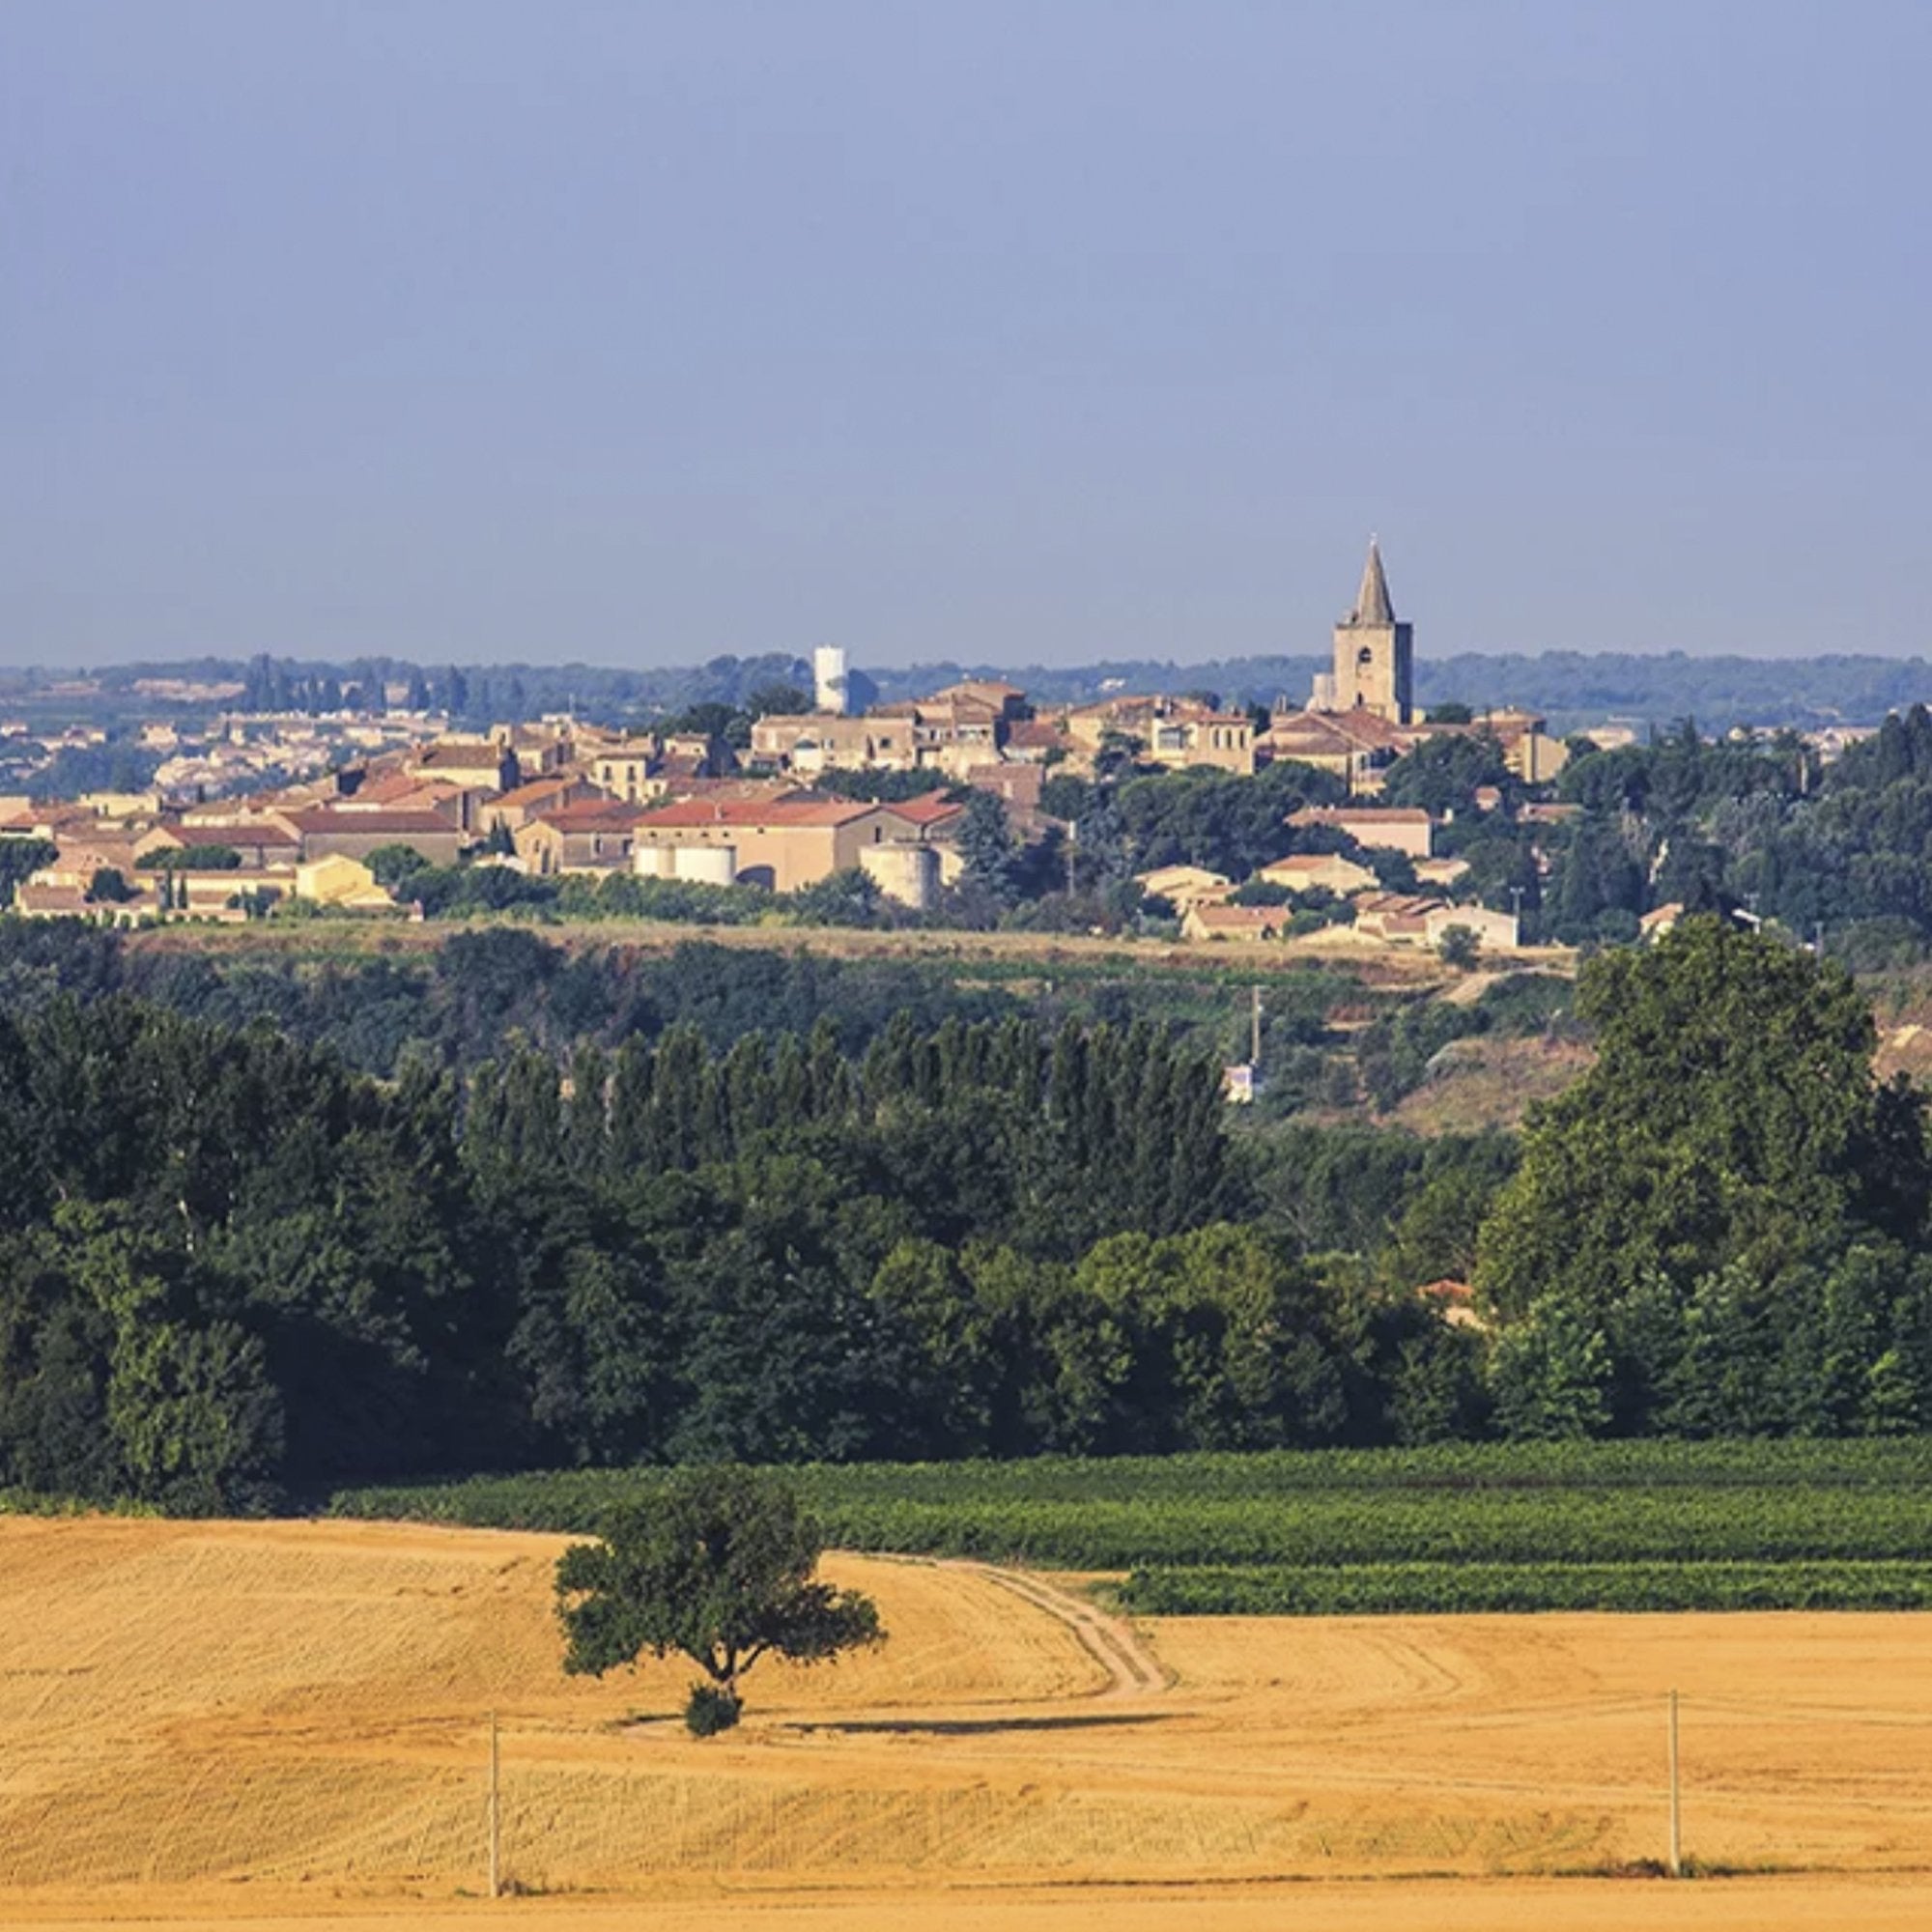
(1372,600)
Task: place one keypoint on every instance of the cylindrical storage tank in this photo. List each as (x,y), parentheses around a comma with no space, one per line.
(908,872)
(653,862)
(708,864)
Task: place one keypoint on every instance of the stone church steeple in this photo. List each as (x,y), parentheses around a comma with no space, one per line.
(1372,651)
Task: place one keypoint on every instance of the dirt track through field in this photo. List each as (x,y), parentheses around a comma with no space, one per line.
(207,1720)
(1132,1668)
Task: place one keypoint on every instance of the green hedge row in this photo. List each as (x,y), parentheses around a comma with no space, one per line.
(1385,1589)
(974,1510)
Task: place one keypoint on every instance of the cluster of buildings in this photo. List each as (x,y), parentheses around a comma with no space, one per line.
(1378,917)
(548,800)
(262,811)
(1359,719)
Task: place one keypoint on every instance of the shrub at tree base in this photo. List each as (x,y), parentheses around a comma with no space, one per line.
(708,1711)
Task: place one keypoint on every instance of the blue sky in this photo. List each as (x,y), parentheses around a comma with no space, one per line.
(1033,333)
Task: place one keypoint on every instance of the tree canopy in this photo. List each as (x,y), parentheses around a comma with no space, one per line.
(719,1569)
(1725,1205)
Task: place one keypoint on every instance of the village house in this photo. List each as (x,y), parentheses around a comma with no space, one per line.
(1036,741)
(470,764)
(219,897)
(823,741)
(1187,737)
(1204,921)
(1355,746)
(1308,871)
(1378,827)
(42,898)
(342,882)
(330,832)
(1018,787)
(1185,886)
(784,845)
(595,835)
(1411,919)
(516,808)
(626,771)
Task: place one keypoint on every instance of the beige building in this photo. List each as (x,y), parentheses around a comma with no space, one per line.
(343,882)
(1355,745)
(1185,886)
(594,836)
(1329,871)
(1405,919)
(626,771)
(1224,740)
(470,764)
(339,833)
(1230,922)
(516,808)
(782,844)
(822,741)
(1388,828)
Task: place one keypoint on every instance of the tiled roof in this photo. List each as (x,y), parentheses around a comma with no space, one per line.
(325,819)
(803,814)
(1359,814)
(591,814)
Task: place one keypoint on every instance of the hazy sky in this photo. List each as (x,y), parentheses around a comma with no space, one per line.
(1010,329)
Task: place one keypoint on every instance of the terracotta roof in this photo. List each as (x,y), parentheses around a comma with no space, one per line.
(461,756)
(1359,730)
(29,898)
(1307,863)
(1236,918)
(537,792)
(798,812)
(928,809)
(591,814)
(1396,905)
(1362,815)
(326,819)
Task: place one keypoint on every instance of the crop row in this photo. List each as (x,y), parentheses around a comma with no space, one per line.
(1293,1527)
(1896,1463)
(1421,1589)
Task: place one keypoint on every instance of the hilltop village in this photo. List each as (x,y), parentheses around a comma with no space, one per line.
(278,810)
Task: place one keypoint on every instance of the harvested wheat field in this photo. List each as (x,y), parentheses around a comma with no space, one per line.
(250,1721)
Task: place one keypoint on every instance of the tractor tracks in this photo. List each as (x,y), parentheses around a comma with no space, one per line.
(1131,1668)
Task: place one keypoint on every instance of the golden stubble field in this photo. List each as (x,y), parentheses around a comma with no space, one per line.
(256,1721)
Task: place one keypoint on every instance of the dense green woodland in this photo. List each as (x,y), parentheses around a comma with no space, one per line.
(233,1266)
(230,1265)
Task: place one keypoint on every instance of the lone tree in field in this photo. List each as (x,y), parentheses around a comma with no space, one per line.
(719,1567)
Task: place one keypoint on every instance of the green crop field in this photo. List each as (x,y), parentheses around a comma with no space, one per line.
(1637,1525)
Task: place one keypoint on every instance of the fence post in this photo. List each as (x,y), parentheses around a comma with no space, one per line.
(1676,1800)
(496,1814)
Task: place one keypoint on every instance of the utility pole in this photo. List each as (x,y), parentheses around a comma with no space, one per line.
(1255,1032)
(1072,840)
(1676,1800)
(497,1814)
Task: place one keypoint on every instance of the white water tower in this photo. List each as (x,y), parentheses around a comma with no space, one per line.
(827,675)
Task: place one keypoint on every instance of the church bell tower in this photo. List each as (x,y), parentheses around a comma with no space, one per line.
(1373,652)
